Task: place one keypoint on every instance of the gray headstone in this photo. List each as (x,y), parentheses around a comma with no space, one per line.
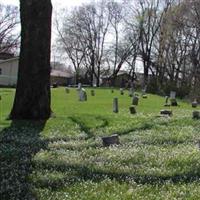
(121,91)
(172,95)
(194,103)
(135,101)
(196,115)
(92,93)
(115,105)
(110,140)
(166,112)
(67,90)
(82,95)
(132,110)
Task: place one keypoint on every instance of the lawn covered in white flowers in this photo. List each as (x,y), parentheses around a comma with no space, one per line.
(63,158)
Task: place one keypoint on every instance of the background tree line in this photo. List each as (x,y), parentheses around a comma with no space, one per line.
(104,37)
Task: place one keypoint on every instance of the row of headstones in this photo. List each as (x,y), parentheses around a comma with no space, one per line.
(132,108)
(132,92)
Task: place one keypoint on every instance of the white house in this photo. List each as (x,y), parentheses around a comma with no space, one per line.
(9,71)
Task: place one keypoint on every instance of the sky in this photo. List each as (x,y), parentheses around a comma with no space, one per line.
(56,3)
(59,4)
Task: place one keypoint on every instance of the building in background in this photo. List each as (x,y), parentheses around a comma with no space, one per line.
(9,71)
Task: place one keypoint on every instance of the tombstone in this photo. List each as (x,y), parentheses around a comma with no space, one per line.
(79,86)
(110,140)
(131,90)
(194,103)
(172,95)
(173,102)
(67,90)
(121,91)
(196,115)
(115,105)
(132,109)
(81,93)
(92,93)
(144,96)
(144,90)
(167,101)
(166,112)
(135,101)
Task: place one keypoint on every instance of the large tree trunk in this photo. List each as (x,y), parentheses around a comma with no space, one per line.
(32,99)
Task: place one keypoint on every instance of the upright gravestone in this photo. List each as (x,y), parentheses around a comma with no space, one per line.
(172,95)
(115,105)
(81,93)
(173,98)
(132,109)
(92,93)
(194,103)
(131,90)
(144,90)
(135,100)
(67,90)
(121,91)
(196,115)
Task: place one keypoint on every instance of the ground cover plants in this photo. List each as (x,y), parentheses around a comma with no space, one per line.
(63,158)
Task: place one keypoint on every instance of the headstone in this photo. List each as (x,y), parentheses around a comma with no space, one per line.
(121,91)
(166,112)
(144,96)
(79,86)
(67,90)
(92,93)
(132,109)
(110,140)
(82,95)
(196,115)
(172,95)
(194,103)
(131,90)
(115,105)
(144,90)
(173,102)
(135,101)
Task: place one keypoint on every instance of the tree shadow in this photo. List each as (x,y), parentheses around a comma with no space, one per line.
(86,173)
(18,145)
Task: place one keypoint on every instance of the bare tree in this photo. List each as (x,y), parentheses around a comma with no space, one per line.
(9,21)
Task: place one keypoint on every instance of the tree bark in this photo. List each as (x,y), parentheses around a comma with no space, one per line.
(32,99)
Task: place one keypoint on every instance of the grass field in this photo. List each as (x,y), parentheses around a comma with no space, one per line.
(63,158)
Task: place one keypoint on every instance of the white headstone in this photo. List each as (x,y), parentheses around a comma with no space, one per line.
(82,95)
(172,95)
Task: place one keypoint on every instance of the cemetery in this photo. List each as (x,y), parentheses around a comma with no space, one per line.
(99,100)
(97,149)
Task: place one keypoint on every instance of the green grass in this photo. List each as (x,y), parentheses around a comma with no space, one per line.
(63,158)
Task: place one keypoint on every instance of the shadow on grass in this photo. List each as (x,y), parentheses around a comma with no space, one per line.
(87,129)
(84,173)
(18,144)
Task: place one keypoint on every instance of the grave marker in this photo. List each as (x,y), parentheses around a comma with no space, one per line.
(110,140)
(115,105)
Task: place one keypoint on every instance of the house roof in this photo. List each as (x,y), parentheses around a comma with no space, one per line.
(58,73)
(9,60)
